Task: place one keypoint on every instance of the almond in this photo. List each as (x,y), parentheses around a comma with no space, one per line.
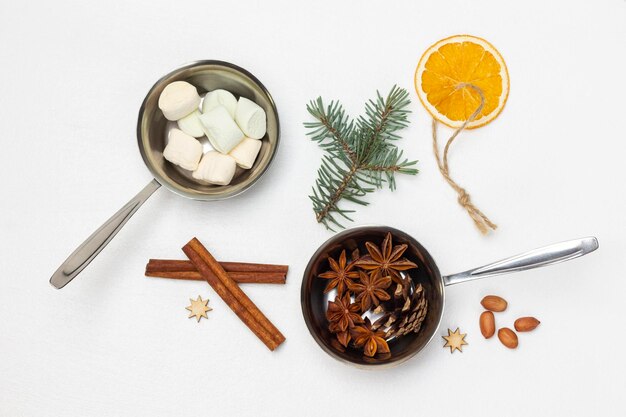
(526,324)
(507,337)
(494,303)
(487,324)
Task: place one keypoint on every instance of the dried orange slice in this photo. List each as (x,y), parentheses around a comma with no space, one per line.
(449,75)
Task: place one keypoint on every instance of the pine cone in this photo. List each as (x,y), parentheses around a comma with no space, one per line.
(405,313)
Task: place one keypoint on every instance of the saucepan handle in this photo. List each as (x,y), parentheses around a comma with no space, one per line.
(536,258)
(91,247)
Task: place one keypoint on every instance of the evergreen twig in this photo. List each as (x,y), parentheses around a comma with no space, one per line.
(360,155)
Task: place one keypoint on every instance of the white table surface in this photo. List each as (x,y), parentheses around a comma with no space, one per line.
(550,168)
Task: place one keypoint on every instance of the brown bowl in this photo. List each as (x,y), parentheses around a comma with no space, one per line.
(314,301)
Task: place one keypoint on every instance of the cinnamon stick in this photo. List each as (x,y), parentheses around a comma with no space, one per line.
(230,292)
(238,277)
(239,271)
(179,265)
(230,300)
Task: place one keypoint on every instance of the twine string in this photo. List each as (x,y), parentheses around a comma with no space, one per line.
(480,219)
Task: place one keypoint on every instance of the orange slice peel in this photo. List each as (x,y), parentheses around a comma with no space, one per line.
(459,74)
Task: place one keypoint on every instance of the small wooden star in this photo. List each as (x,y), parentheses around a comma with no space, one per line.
(198,308)
(455,340)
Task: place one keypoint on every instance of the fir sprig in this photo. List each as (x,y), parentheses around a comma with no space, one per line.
(360,155)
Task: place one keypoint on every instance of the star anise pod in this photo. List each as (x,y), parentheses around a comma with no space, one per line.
(371,341)
(370,290)
(344,337)
(340,274)
(387,259)
(342,316)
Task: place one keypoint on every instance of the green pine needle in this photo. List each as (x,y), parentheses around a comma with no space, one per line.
(360,155)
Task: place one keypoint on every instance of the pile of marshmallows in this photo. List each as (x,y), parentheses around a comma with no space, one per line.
(234,129)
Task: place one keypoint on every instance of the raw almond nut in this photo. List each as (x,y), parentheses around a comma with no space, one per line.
(487,324)
(526,324)
(494,303)
(508,337)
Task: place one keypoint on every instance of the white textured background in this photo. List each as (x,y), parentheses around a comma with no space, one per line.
(550,168)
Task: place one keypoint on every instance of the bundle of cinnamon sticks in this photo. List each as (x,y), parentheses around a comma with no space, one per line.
(223,278)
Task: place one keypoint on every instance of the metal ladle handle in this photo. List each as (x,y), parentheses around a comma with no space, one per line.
(91,247)
(536,258)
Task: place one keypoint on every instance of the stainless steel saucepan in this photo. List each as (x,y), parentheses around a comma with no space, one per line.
(152,129)
(314,301)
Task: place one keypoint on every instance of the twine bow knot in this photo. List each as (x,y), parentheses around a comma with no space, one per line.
(464,198)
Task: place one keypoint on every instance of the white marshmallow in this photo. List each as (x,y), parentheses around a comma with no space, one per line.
(221,129)
(251,118)
(191,124)
(178,99)
(219,98)
(216,168)
(245,153)
(182,150)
